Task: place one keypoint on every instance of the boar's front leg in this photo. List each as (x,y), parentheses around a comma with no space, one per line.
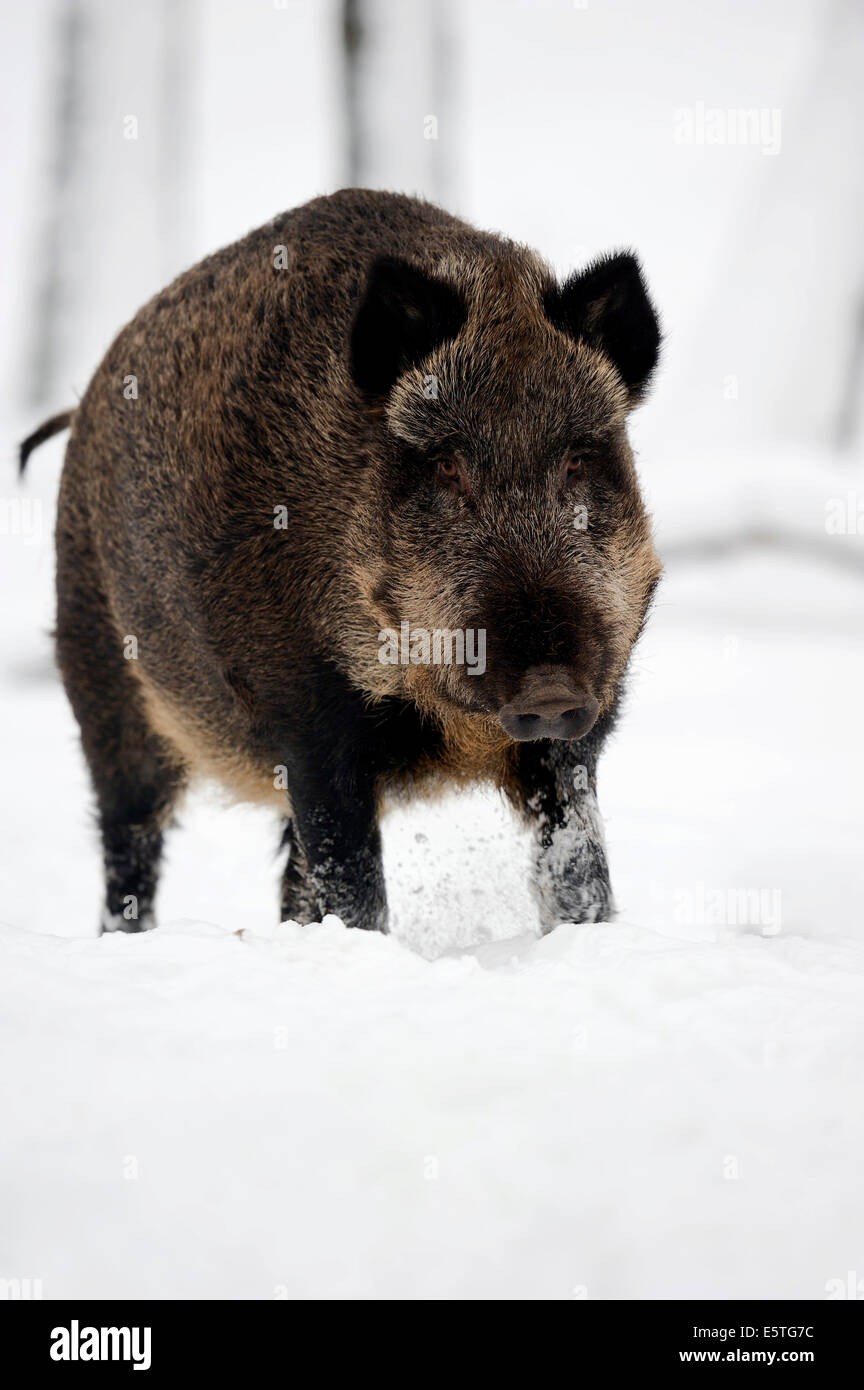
(334,850)
(299,902)
(556,789)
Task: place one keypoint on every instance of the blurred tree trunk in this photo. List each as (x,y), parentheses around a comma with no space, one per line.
(790,287)
(118,211)
(400,109)
(61,210)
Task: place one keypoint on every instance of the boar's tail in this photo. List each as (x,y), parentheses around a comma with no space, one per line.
(52,426)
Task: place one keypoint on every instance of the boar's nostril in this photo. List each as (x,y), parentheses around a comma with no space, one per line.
(569,724)
(547,705)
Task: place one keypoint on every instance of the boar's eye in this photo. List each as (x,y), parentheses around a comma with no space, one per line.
(572,468)
(450,474)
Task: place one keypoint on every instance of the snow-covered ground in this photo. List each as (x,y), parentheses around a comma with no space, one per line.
(662,1106)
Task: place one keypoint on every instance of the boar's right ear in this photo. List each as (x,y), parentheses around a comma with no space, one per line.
(404,314)
(607,306)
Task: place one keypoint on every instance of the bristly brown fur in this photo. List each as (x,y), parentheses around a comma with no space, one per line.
(312,374)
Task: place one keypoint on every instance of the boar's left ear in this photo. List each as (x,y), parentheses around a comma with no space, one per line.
(403,315)
(608,307)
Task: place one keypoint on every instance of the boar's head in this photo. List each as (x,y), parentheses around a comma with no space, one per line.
(501,496)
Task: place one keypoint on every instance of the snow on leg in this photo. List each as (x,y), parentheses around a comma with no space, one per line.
(298,898)
(557,791)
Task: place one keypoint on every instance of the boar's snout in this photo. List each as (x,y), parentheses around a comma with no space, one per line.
(548,704)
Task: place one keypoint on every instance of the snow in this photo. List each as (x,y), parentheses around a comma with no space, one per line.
(667,1105)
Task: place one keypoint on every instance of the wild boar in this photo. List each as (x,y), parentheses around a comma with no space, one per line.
(311,479)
